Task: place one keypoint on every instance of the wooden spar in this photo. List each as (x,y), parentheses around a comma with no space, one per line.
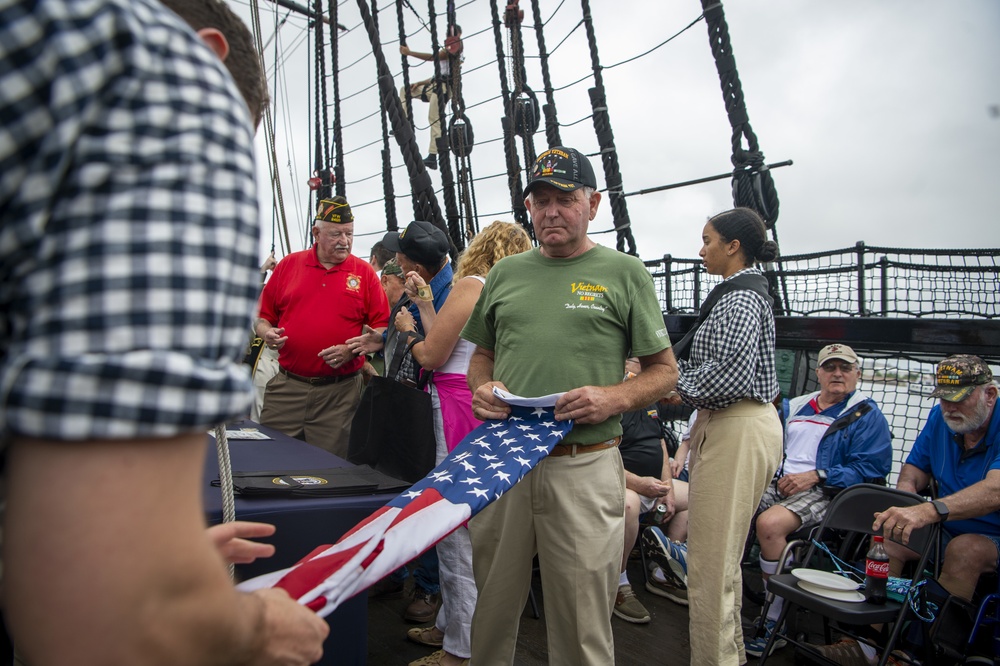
(305,11)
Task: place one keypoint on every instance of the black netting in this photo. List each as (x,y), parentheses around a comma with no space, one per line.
(862,281)
(858,281)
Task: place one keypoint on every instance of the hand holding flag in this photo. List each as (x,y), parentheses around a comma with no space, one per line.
(487,462)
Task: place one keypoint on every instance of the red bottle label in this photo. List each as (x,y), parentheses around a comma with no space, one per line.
(877,569)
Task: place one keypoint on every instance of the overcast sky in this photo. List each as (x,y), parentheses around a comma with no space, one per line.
(890,110)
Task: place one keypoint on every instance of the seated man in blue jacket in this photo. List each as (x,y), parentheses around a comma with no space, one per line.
(835,437)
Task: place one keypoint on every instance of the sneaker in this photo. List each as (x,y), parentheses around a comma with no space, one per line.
(846,652)
(423,608)
(431,161)
(670,589)
(679,559)
(426,636)
(669,555)
(755,646)
(387,588)
(628,608)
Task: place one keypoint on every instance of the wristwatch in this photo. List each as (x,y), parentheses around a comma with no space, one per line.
(821,473)
(942,509)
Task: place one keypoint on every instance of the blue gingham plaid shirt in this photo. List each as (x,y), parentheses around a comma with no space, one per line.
(732,354)
(128,224)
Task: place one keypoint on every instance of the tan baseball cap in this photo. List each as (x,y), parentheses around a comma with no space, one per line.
(836,350)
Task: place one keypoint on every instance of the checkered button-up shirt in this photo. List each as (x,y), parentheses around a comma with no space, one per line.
(128,224)
(732,354)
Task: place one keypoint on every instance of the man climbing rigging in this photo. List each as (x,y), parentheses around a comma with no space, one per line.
(429,89)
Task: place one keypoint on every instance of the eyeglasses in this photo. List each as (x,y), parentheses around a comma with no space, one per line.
(833,366)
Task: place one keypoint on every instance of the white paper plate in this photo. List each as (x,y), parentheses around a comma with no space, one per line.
(852,596)
(830,581)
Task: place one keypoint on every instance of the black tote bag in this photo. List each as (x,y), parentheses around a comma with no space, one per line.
(393,427)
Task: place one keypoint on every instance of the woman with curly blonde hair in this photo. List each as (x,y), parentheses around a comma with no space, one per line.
(448,355)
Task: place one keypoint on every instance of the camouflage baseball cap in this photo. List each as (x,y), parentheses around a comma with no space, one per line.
(392,268)
(959,375)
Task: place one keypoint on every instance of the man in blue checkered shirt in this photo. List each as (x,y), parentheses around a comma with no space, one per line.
(128,241)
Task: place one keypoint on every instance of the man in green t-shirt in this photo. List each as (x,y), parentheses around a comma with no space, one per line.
(562,319)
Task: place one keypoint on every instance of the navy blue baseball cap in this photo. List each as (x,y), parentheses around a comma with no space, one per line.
(420,241)
(565,169)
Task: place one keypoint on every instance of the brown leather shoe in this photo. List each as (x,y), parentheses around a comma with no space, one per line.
(423,608)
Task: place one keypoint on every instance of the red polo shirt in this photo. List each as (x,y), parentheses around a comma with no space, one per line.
(320,307)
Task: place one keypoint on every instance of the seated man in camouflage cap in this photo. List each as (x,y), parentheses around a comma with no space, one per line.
(960,447)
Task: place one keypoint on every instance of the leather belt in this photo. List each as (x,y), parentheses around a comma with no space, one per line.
(318,381)
(573,449)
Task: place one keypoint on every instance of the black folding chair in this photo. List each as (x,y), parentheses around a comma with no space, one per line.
(852,511)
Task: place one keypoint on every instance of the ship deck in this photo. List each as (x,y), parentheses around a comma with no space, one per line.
(663,640)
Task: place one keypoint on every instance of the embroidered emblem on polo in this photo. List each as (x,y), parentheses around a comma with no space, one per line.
(353,282)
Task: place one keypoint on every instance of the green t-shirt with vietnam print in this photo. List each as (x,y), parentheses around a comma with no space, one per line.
(558,324)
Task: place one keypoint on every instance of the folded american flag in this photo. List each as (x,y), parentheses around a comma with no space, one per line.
(490,460)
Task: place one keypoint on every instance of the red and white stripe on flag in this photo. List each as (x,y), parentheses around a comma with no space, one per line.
(490,460)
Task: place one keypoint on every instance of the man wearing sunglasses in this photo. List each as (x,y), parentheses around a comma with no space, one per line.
(834,438)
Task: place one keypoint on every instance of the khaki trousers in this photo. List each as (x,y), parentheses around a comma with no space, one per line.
(430,91)
(320,415)
(734,454)
(571,511)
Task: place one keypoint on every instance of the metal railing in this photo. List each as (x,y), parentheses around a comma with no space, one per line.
(851,282)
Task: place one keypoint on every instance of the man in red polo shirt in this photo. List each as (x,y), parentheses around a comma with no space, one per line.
(315,300)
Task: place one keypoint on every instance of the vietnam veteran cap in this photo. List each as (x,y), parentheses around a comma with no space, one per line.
(959,375)
(566,169)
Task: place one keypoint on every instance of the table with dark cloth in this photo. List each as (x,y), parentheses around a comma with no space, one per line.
(302,524)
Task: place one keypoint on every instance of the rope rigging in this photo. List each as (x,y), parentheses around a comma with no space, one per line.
(458,213)
(443,149)
(549,108)
(388,189)
(753,186)
(272,161)
(510,148)
(407,100)
(606,140)
(321,181)
(338,143)
(425,206)
(460,135)
(524,104)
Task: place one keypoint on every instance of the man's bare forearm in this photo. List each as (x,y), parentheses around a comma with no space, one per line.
(912,479)
(261,326)
(132,511)
(658,377)
(480,369)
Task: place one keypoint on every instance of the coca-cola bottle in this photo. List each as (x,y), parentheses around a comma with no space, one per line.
(876,572)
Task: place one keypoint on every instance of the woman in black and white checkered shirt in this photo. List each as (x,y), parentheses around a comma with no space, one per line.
(736,440)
